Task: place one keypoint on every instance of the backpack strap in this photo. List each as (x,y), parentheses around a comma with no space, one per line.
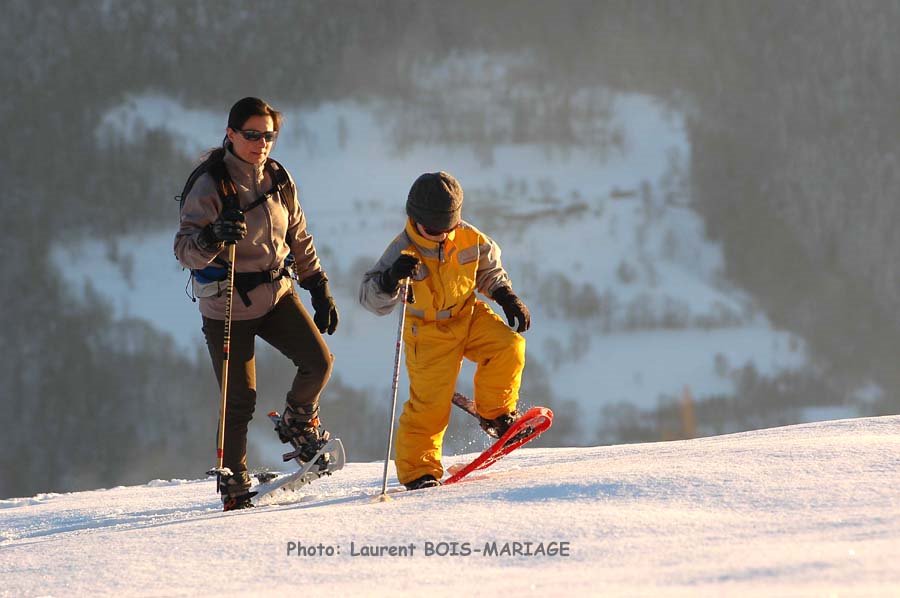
(214,157)
(227,190)
(225,186)
(280,180)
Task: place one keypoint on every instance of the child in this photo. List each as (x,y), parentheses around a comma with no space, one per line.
(447,260)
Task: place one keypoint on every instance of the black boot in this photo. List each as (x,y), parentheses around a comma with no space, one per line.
(426,481)
(498,426)
(302,429)
(234,503)
(235,491)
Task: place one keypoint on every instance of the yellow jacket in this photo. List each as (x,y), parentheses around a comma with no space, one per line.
(449,273)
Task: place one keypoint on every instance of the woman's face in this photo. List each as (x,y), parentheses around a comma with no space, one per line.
(253,151)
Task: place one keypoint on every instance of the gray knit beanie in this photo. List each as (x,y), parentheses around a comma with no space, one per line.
(435,201)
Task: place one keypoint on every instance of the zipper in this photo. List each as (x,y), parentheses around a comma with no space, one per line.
(271,227)
(440,263)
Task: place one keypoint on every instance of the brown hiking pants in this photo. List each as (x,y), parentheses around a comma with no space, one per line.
(291,330)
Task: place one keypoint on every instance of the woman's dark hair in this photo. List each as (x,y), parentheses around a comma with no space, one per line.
(244,109)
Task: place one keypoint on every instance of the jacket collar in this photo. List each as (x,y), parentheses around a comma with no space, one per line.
(423,243)
(243,173)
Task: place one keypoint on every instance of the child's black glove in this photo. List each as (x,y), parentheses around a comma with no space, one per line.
(513,308)
(403,267)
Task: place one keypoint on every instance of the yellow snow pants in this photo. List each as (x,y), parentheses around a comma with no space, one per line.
(434,354)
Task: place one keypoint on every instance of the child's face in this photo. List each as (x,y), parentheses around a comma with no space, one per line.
(439,237)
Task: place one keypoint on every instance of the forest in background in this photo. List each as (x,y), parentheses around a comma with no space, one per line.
(792,121)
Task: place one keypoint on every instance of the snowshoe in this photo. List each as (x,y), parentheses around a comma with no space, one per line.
(264,477)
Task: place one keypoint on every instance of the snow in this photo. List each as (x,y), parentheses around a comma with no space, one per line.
(806,510)
(626,206)
(625,364)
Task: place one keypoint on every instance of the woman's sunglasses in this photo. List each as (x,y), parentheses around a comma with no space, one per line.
(251,135)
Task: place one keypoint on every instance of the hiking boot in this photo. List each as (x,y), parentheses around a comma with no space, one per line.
(234,503)
(426,481)
(498,426)
(302,429)
(235,491)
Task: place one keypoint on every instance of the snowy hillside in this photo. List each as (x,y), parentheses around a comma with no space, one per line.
(625,290)
(802,510)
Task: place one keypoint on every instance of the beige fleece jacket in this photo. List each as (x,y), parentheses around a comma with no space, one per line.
(272,233)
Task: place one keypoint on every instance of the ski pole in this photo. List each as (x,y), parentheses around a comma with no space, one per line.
(219,470)
(404,293)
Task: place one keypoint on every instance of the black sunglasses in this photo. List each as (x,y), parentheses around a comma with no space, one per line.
(251,135)
(437,232)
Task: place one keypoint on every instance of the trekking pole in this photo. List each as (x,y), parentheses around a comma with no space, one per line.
(219,470)
(404,292)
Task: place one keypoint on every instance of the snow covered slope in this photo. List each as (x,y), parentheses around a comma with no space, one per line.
(802,510)
(626,292)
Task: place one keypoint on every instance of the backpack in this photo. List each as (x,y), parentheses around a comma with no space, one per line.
(214,164)
(209,281)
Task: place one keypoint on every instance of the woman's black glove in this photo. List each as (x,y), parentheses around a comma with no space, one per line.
(513,308)
(326,316)
(230,227)
(403,267)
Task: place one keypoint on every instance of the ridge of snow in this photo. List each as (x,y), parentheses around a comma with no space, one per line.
(808,509)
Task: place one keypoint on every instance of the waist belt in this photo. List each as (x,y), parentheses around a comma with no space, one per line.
(244,282)
(432,315)
(444,314)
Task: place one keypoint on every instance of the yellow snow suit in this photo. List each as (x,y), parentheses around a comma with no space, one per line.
(445,324)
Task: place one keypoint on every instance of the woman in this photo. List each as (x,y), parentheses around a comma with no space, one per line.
(246,198)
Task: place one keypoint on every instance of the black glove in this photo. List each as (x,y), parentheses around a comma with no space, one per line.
(513,308)
(403,267)
(230,227)
(326,316)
